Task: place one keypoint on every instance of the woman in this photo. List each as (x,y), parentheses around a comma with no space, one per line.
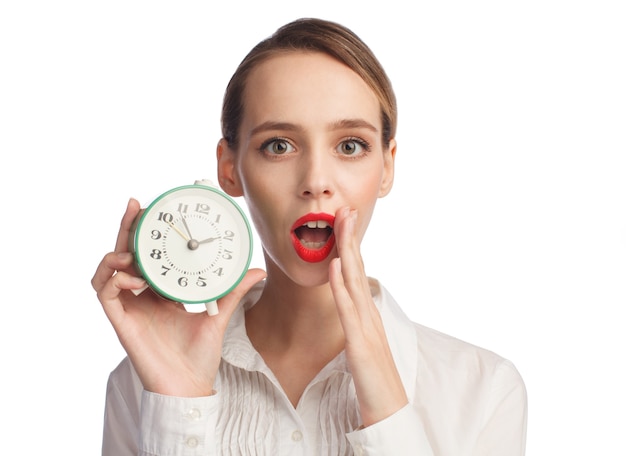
(311,357)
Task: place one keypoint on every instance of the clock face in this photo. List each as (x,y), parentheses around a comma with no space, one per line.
(193,244)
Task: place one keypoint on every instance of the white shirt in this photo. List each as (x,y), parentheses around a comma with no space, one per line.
(463,400)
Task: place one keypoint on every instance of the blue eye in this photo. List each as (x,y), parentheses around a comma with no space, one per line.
(352,147)
(277,147)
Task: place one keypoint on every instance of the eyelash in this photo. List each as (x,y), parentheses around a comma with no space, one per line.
(268,142)
(360,141)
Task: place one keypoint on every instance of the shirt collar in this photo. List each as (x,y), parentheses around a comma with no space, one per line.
(401,336)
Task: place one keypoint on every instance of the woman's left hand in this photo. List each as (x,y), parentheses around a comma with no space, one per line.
(378,385)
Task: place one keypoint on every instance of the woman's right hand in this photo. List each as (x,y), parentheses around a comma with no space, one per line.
(174,352)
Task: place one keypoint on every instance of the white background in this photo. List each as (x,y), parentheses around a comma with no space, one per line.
(506,226)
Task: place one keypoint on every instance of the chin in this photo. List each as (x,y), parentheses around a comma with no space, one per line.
(304,274)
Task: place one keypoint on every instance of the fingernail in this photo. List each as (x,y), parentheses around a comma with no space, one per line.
(141,286)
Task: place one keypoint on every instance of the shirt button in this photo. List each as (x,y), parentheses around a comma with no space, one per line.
(358,450)
(194,414)
(191,442)
(296,436)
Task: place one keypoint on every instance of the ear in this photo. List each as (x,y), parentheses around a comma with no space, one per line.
(389,160)
(226,169)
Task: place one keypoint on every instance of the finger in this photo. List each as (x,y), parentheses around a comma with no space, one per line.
(111,263)
(352,269)
(345,306)
(110,292)
(132,210)
(117,283)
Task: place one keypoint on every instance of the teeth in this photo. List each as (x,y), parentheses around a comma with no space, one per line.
(316,224)
(313,245)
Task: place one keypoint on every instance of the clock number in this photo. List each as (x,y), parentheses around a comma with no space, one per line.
(155,254)
(166,270)
(201,282)
(166,217)
(203,208)
(182,281)
(219,272)
(228,235)
(156,234)
(218,218)
(183,207)
(227,255)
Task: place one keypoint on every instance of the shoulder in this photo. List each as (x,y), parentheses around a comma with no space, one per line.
(440,346)
(461,381)
(437,358)
(439,352)
(467,396)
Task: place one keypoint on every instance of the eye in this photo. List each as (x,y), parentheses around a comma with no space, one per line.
(277,147)
(353,147)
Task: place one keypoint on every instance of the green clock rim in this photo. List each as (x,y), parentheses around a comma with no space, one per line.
(159,198)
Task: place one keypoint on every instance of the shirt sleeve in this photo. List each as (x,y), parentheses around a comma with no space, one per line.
(177,425)
(137,422)
(501,428)
(399,434)
(121,412)
(506,412)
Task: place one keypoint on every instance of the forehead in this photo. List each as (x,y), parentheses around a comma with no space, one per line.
(307,86)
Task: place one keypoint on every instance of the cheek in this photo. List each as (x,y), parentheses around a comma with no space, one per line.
(257,201)
(366,184)
(364,197)
(261,199)
(365,215)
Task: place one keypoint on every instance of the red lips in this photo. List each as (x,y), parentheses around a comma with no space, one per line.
(312,236)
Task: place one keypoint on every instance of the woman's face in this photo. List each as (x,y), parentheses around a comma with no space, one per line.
(310,143)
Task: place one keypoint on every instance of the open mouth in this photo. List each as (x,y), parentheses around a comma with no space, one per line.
(314,234)
(313,238)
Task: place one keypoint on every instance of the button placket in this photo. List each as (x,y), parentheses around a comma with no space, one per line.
(192,415)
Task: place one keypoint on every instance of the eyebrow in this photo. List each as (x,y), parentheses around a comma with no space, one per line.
(353,123)
(270,125)
(337,125)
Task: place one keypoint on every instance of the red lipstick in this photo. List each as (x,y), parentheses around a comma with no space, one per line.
(312,236)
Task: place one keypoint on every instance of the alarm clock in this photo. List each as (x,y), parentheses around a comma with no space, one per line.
(192,244)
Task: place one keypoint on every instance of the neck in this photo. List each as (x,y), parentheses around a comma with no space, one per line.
(296,329)
(291,317)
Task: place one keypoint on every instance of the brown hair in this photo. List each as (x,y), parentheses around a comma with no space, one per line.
(314,35)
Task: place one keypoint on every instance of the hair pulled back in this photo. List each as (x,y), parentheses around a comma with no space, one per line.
(312,35)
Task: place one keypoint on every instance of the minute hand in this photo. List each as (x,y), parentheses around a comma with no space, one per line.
(185,224)
(207,240)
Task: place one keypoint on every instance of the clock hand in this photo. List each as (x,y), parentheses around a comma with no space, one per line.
(192,244)
(204,241)
(184,236)
(185,224)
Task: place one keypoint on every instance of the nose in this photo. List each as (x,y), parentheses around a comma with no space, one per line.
(316,178)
